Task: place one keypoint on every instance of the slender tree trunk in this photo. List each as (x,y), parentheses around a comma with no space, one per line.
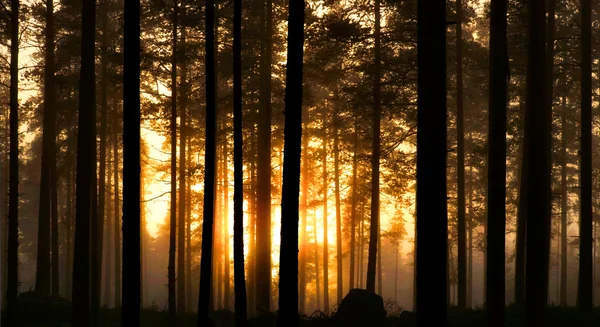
(521,220)
(263,222)
(86,172)
(470,233)
(338,210)
(252,223)
(563,221)
(460,157)
(188,208)
(209,177)
(117,215)
(538,148)
(303,217)
(432,220)
(379,270)
(288,273)
(496,200)
(181,225)
(108,253)
(353,205)
(130,314)
(374,230)
(4,215)
(226,261)
(238,163)
(42,276)
(68,235)
(325,220)
(584,292)
(12,305)
(173,213)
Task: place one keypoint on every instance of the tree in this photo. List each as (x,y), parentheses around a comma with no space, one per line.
(86,143)
(374,231)
(432,218)
(263,221)
(181,227)
(12,304)
(496,199)
(460,154)
(585,286)
(537,146)
(238,166)
(288,269)
(130,313)
(173,212)
(209,175)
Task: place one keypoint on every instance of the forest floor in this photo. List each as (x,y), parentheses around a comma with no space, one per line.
(56,313)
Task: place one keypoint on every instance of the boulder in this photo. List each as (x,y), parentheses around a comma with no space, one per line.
(360,308)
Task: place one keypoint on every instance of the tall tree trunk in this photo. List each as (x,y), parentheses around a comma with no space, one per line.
(181,225)
(263,222)
(470,232)
(353,205)
(338,210)
(86,170)
(117,211)
(188,209)
(432,220)
(303,219)
(563,204)
(538,148)
(521,219)
(325,220)
(374,230)
(496,200)
(173,212)
(584,292)
(4,215)
(42,276)
(460,158)
(238,172)
(252,223)
(209,177)
(12,305)
(379,270)
(131,168)
(288,269)
(68,235)
(226,261)
(108,253)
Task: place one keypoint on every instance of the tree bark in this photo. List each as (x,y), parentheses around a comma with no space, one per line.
(12,305)
(288,269)
(432,220)
(181,224)
(209,177)
(374,230)
(303,217)
(338,210)
(460,157)
(108,257)
(130,314)
(172,300)
(353,205)
(585,287)
(263,222)
(538,148)
(325,220)
(117,211)
(86,172)
(563,220)
(496,200)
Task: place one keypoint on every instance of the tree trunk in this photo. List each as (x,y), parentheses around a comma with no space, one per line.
(432,220)
(460,157)
(496,200)
(209,177)
(188,208)
(521,220)
(181,225)
(288,269)
(238,171)
(538,148)
(353,205)
(117,211)
(338,210)
(304,217)
(42,276)
(317,271)
(86,171)
(131,168)
(563,220)
(325,220)
(252,225)
(173,212)
(470,232)
(263,222)
(12,305)
(108,253)
(584,292)
(374,230)
(226,261)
